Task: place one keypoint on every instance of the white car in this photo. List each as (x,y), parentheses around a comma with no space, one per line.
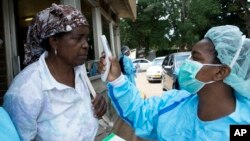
(141,64)
(154,71)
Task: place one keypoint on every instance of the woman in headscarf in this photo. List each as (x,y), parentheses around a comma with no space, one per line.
(50,99)
(215,82)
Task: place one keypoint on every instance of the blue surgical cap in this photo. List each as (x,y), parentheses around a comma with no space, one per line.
(124,49)
(233,50)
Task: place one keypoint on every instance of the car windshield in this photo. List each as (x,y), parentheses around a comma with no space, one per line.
(180,59)
(157,62)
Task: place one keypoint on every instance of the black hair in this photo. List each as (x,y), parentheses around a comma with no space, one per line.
(216,60)
(45,42)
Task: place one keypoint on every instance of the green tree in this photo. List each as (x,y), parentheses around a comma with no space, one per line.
(149,28)
(235,12)
(189,20)
(164,24)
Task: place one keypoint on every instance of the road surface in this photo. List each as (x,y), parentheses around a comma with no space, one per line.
(146,88)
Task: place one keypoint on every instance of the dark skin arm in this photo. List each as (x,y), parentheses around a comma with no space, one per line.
(100,106)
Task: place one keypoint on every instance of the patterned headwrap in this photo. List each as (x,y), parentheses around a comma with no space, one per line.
(53,20)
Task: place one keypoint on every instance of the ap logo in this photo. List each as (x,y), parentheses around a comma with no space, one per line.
(239,132)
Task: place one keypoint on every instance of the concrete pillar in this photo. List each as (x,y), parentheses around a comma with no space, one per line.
(112,44)
(117,41)
(12,58)
(97,31)
(74,3)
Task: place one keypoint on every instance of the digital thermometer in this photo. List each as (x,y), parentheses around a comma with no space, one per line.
(107,51)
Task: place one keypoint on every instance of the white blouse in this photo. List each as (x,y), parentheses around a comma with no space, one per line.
(45,110)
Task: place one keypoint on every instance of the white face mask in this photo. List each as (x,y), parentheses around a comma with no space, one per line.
(187,76)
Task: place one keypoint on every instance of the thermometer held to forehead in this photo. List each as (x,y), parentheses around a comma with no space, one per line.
(107,51)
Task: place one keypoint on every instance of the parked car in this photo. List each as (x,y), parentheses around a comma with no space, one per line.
(170,69)
(141,63)
(154,71)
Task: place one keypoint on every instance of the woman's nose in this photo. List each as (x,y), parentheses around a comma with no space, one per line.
(85,44)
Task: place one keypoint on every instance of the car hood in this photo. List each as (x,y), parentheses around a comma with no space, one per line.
(154,69)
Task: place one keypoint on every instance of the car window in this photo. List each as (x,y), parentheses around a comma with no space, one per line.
(144,61)
(180,59)
(157,62)
(165,62)
(136,61)
(171,60)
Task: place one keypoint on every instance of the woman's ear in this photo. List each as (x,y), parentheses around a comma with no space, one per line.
(222,72)
(53,42)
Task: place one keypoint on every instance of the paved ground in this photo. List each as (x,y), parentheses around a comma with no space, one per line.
(147,89)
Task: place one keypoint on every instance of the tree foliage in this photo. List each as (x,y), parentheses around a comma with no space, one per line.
(147,31)
(164,24)
(189,18)
(234,12)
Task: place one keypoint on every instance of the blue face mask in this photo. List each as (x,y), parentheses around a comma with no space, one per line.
(187,76)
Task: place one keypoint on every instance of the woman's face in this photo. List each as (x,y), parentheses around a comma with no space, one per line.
(72,47)
(204,52)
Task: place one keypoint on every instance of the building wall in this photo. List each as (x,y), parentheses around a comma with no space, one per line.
(3,71)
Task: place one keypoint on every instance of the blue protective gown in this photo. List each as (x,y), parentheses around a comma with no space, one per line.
(7,129)
(129,68)
(173,117)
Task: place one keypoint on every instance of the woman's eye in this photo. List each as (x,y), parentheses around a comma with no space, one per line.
(78,38)
(81,38)
(194,58)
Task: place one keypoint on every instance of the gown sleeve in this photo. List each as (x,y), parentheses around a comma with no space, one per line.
(141,114)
